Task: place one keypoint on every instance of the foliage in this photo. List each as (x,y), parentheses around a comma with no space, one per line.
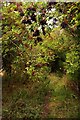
(73,64)
(26,32)
(39,39)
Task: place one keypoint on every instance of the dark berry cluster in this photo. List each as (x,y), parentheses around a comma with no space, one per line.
(43,22)
(31,9)
(36,33)
(33,17)
(64,25)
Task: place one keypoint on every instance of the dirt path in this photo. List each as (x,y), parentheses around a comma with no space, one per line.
(46,109)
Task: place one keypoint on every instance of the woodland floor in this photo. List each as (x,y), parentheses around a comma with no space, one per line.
(32,99)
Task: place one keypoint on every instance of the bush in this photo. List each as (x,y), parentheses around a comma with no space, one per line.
(73,64)
(30,52)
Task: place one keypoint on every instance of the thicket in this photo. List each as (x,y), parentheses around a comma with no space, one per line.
(40,38)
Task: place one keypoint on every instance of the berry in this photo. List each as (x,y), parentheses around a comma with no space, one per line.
(36,33)
(21,13)
(31,9)
(43,22)
(24,21)
(33,17)
(32,30)
(39,39)
(33,73)
(15,41)
(52,3)
(43,14)
(55,19)
(43,29)
(16,9)
(60,10)
(50,17)
(29,21)
(64,25)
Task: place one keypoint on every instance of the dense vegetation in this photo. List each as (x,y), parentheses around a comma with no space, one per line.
(39,40)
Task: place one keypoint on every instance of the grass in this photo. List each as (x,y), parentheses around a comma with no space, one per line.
(64,103)
(35,100)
